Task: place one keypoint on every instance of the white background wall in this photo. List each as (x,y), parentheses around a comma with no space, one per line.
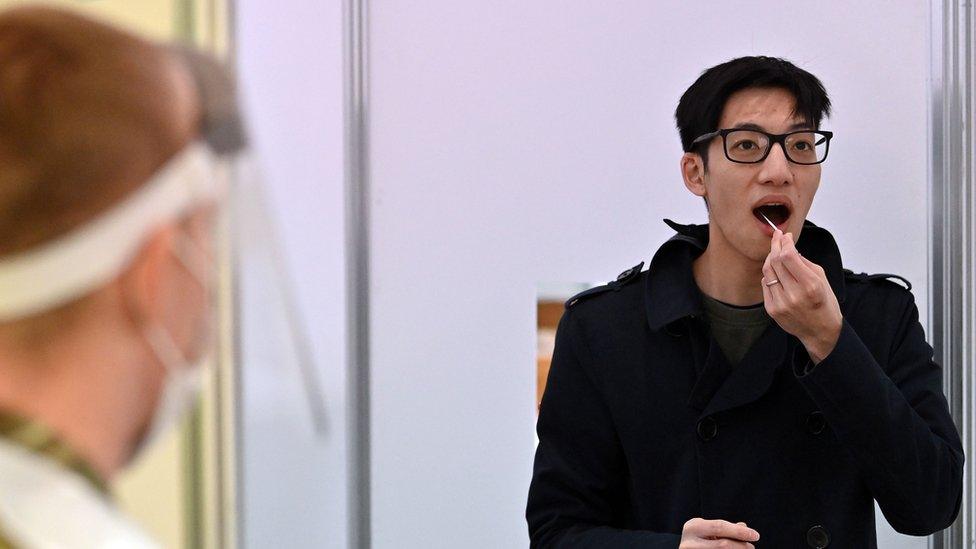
(516,142)
(294,481)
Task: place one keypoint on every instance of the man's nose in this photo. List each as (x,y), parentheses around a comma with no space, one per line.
(776,168)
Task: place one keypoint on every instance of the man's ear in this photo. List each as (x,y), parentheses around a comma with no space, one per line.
(693,173)
(143,283)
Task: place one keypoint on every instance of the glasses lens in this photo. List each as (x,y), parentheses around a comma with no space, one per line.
(806,147)
(746,145)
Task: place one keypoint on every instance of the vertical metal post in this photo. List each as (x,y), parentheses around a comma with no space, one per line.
(953,234)
(357,273)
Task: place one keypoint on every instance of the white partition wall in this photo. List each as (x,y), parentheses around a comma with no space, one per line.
(514,142)
(294,465)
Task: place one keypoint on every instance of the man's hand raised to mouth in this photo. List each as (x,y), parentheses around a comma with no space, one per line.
(699,533)
(802,303)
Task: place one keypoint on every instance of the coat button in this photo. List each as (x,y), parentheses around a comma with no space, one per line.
(816,422)
(818,537)
(707,428)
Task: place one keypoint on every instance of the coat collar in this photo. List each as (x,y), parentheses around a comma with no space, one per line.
(671,292)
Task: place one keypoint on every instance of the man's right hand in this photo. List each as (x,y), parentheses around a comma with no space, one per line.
(699,533)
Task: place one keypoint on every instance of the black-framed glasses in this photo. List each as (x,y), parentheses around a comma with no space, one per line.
(751,146)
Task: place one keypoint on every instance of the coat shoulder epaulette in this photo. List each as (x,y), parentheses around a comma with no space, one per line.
(879,276)
(623,279)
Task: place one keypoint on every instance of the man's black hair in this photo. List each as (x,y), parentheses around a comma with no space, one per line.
(701,105)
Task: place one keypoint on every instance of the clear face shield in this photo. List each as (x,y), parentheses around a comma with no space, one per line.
(262,281)
(246,230)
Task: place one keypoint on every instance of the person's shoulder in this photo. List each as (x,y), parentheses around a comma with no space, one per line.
(882,293)
(624,281)
(885,280)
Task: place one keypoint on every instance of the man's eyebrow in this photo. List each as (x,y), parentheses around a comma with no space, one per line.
(754,126)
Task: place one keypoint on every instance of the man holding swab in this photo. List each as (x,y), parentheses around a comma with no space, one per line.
(746,390)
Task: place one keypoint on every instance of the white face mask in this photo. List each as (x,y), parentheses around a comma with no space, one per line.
(184,378)
(181,388)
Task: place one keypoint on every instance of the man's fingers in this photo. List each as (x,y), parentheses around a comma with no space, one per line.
(782,259)
(768,272)
(774,244)
(725,529)
(771,294)
(699,533)
(810,278)
(726,542)
(777,270)
(793,262)
(721,543)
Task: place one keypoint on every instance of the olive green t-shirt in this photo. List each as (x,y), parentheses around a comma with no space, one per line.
(734,327)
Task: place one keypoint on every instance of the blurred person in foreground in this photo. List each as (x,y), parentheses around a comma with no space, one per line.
(108,150)
(746,390)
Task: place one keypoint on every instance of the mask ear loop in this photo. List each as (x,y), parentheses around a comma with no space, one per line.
(165,348)
(181,388)
(195,260)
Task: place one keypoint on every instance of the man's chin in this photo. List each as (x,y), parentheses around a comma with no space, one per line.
(759,259)
(758,251)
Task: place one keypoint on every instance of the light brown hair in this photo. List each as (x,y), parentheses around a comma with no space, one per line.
(87,113)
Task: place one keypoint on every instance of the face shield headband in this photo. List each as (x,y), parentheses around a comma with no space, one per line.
(87,258)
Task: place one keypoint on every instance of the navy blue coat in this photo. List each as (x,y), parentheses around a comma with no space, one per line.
(644,424)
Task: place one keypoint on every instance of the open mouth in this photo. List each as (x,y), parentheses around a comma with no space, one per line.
(777,213)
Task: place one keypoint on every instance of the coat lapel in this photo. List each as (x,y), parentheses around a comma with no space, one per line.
(754,375)
(711,367)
